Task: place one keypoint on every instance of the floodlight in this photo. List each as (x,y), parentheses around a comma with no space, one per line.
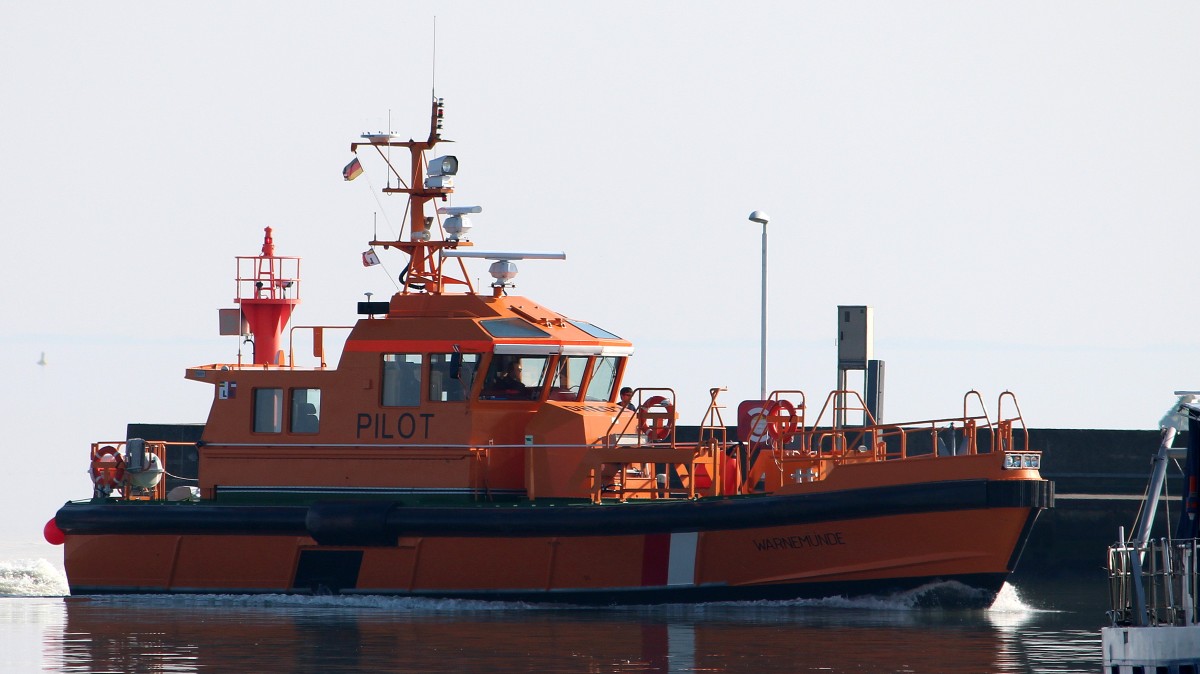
(443,166)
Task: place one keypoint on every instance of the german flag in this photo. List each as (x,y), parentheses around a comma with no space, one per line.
(352,170)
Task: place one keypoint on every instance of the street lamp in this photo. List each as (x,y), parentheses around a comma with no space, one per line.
(762,217)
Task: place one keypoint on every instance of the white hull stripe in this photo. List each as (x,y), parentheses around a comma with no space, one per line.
(681,565)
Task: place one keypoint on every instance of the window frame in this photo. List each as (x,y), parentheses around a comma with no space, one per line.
(294,414)
(389,388)
(277,411)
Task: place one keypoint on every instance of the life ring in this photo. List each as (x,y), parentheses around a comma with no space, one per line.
(108,468)
(656,426)
(781,420)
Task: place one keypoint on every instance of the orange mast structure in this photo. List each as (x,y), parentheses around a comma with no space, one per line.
(424,272)
(268,290)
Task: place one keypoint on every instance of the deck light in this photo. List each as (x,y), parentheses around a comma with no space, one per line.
(443,166)
(1016,461)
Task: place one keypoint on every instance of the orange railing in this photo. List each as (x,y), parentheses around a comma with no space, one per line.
(793,448)
(110,472)
(318,341)
(810,452)
(640,442)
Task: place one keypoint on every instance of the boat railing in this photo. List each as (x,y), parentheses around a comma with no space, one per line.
(646,471)
(267,277)
(318,341)
(837,406)
(809,453)
(112,470)
(640,456)
(712,425)
(1154,584)
(651,422)
(949,436)
(1006,425)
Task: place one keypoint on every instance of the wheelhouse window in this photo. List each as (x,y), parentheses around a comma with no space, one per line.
(306,410)
(401,379)
(451,375)
(512,327)
(592,330)
(268,410)
(604,378)
(568,377)
(514,377)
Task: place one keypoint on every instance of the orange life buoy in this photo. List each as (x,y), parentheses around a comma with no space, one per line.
(781,420)
(108,467)
(656,426)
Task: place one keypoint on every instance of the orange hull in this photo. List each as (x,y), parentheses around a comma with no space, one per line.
(865,555)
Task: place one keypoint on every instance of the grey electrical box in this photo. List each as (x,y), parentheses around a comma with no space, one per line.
(856,333)
(232,322)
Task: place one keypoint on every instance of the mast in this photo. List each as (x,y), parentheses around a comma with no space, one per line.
(425,182)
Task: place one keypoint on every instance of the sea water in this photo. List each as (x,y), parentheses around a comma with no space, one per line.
(42,629)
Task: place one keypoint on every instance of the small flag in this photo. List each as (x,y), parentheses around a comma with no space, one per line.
(370,259)
(352,170)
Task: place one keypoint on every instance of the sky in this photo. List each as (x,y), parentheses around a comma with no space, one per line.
(1011,186)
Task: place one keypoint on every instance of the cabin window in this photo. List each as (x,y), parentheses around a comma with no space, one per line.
(599,333)
(568,376)
(451,375)
(604,378)
(306,410)
(268,410)
(514,377)
(512,327)
(401,379)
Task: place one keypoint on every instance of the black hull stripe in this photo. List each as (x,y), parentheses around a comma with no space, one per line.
(380,522)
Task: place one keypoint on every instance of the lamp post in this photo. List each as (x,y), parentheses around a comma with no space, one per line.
(763,218)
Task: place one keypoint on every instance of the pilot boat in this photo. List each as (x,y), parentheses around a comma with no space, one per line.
(472,443)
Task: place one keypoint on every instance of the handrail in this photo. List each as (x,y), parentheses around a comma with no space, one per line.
(119,474)
(813,450)
(636,416)
(318,341)
(645,481)
(1018,418)
(1154,584)
(989,427)
(841,394)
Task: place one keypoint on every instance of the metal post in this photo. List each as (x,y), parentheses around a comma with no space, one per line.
(761,217)
(762,347)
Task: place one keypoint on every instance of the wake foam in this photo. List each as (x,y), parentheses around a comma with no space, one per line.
(31,578)
(303,601)
(40,578)
(1008,600)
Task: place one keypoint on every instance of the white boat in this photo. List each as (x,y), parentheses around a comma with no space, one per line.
(1154,613)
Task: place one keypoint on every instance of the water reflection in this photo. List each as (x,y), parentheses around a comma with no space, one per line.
(193,634)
